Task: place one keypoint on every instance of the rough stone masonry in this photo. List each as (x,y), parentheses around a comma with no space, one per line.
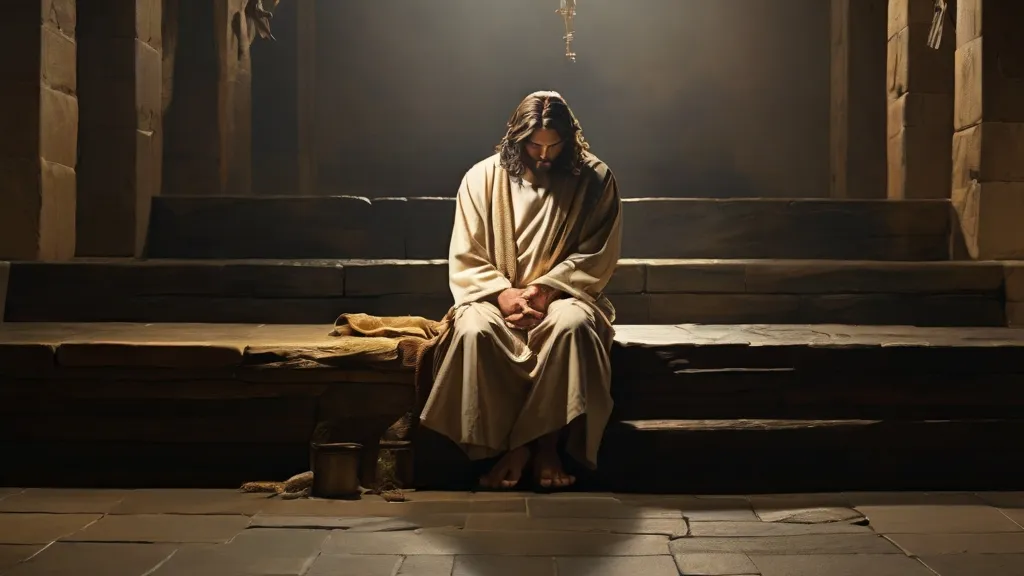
(39,123)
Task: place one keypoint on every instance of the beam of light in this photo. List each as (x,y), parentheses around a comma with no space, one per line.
(568,12)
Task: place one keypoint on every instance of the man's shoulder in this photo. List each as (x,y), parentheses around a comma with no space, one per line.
(595,166)
(485,166)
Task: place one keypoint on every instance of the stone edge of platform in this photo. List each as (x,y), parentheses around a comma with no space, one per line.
(5,280)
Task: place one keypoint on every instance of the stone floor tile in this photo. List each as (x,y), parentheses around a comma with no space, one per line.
(937,519)
(1015,514)
(426,566)
(700,564)
(280,542)
(41,528)
(359,524)
(858,499)
(349,565)
(63,501)
(673,527)
(758,529)
(812,544)
(616,566)
(258,552)
(190,501)
(412,523)
(812,516)
(766,502)
(494,506)
(503,566)
(380,508)
(699,508)
(445,541)
(569,494)
(840,565)
(595,507)
(721,515)
(976,564)
(450,496)
(81,559)
(162,528)
(805,508)
(1003,499)
(935,544)
(312,522)
(11,554)
(310,507)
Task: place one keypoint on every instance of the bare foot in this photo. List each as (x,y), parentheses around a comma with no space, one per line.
(547,468)
(507,472)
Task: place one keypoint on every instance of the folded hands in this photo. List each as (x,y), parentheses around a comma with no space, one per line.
(524,308)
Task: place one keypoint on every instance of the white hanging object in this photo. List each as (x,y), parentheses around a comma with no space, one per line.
(938,19)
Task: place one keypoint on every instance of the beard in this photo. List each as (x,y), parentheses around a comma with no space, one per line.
(546,165)
(542,165)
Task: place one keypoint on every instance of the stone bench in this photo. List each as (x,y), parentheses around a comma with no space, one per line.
(644,291)
(98,403)
(189,385)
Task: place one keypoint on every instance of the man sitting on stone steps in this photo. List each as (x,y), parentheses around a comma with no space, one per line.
(525,369)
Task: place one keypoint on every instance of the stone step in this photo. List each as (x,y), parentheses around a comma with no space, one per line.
(740,456)
(650,291)
(420,228)
(177,395)
(817,371)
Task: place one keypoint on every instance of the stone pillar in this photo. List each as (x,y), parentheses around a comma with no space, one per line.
(920,89)
(988,146)
(234,96)
(120,137)
(282,92)
(306,67)
(207,99)
(858,99)
(38,130)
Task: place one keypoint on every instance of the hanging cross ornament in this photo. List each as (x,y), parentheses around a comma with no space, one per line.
(568,12)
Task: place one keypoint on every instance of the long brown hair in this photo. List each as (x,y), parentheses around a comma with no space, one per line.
(542,110)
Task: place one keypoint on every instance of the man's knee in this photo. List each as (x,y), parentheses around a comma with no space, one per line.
(570,316)
(475,322)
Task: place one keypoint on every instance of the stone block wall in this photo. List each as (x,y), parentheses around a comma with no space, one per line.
(920,94)
(39,124)
(120,135)
(988,146)
(413,85)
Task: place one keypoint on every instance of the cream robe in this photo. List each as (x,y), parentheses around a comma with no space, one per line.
(497,388)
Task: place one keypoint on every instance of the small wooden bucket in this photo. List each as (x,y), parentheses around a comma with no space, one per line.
(336,470)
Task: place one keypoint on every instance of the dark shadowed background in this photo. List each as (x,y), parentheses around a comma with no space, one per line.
(685,98)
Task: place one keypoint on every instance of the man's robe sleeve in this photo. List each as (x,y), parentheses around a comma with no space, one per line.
(472,275)
(585,273)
